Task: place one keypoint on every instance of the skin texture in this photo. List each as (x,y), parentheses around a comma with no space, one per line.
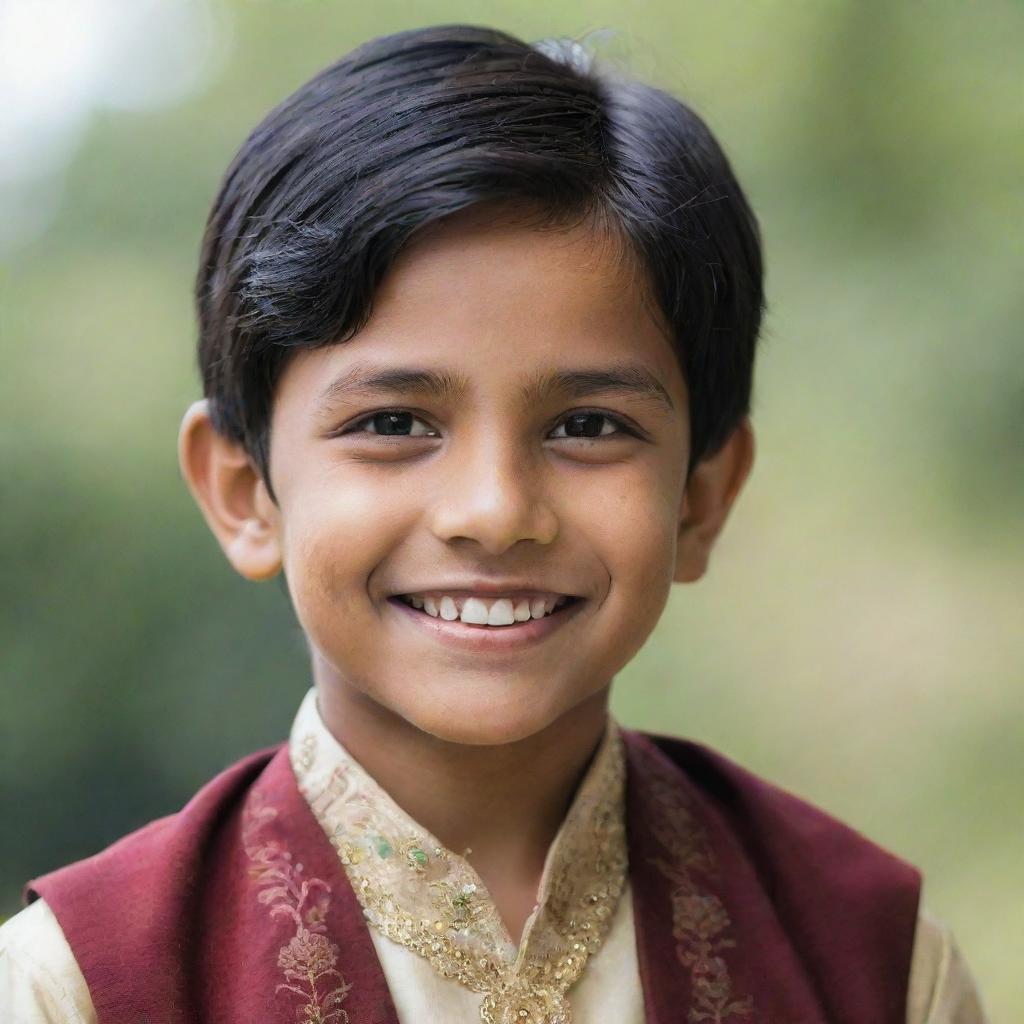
(484,749)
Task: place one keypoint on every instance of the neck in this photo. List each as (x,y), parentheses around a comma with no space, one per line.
(502,803)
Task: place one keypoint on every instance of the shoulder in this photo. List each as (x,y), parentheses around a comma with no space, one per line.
(134,895)
(169,841)
(735,788)
(40,981)
(153,870)
(768,819)
(832,895)
(942,988)
(802,848)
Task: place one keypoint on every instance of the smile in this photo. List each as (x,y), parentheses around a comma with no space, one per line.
(486,611)
(483,637)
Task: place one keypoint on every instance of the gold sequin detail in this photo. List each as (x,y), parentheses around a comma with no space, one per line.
(430,900)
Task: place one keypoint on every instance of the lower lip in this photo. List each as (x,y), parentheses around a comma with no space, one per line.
(484,639)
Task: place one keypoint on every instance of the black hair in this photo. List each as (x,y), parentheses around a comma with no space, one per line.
(414,126)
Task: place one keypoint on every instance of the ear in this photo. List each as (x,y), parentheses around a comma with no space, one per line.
(231,495)
(710,492)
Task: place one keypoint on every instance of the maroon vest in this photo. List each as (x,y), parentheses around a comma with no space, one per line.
(750,906)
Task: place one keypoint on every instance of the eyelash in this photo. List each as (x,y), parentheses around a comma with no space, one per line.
(623,428)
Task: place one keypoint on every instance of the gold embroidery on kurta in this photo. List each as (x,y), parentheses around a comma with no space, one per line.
(700,920)
(308,961)
(430,900)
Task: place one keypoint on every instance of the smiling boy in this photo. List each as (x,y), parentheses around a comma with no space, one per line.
(477,332)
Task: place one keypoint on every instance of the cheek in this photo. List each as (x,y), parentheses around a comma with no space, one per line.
(626,525)
(334,539)
(633,521)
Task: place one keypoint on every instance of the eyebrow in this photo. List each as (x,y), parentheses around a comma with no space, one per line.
(367,381)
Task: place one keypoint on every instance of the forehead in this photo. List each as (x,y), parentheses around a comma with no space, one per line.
(497,303)
(500,266)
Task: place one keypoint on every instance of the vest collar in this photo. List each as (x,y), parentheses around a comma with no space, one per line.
(431,900)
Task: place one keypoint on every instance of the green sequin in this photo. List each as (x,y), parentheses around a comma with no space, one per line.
(417,856)
(384,848)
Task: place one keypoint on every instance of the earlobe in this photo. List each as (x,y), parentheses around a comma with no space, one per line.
(231,495)
(709,495)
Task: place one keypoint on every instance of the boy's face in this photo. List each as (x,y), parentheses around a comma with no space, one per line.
(497,483)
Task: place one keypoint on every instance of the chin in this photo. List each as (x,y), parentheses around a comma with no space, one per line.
(491,721)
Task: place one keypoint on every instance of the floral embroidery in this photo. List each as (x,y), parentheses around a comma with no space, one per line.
(308,961)
(700,921)
(431,900)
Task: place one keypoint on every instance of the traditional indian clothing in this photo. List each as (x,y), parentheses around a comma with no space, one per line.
(680,887)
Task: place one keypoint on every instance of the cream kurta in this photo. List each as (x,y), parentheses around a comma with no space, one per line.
(40,982)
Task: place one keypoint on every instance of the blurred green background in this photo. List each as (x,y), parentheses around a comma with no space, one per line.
(858,638)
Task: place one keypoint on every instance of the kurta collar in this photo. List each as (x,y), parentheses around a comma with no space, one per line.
(431,900)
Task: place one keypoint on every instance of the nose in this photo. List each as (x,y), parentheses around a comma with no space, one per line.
(494,493)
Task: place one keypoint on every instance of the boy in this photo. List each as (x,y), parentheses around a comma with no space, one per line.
(477,330)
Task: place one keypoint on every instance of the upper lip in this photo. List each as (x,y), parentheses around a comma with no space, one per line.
(484,587)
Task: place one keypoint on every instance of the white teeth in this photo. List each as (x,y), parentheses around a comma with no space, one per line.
(500,613)
(476,611)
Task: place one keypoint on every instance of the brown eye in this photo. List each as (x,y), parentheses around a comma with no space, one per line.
(592,425)
(583,425)
(391,423)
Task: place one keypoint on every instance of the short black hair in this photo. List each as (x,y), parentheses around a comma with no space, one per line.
(414,126)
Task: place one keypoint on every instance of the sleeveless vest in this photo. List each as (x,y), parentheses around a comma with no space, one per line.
(751,906)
